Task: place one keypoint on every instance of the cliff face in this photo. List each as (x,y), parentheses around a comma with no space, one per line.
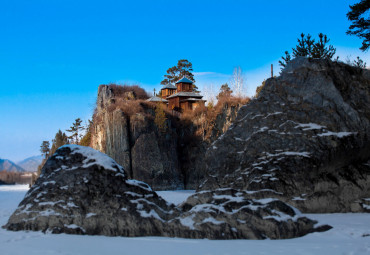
(304,140)
(135,142)
(165,160)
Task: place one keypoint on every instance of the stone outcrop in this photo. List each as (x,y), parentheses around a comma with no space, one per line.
(169,160)
(82,191)
(304,140)
(134,141)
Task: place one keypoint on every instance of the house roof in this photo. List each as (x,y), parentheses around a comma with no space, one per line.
(184,80)
(157,99)
(186,94)
(169,86)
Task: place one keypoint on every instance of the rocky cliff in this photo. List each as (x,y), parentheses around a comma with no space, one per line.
(124,129)
(131,137)
(305,140)
(82,191)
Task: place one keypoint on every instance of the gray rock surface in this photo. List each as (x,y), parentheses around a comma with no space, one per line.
(82,191)
(134,141)
(304,140)
(170,160)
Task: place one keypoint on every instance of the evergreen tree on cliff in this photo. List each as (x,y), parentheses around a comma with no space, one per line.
(360,22)
(309,48)
(183,68)
(320,49)
(75,130)
(59,140)
(225,91)
(45,148)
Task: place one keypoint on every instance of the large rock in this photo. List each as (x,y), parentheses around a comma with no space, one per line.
(135,142)
(82,191)
(304,140)
(165,160)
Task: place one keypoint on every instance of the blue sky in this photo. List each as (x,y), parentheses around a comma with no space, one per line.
(54,54)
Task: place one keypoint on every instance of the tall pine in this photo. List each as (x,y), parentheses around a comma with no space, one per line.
(59,140)
(184,68)
(360,18)
(75,130)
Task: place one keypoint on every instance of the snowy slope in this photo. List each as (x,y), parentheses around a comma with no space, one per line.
(350,235)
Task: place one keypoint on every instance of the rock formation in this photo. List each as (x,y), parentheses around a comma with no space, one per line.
(82,191)
(170,160)
(304,140)
(134,141)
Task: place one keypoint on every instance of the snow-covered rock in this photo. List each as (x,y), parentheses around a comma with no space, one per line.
(306,136)
(83,191)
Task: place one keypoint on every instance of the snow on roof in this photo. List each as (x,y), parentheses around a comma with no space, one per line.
(94,157)
(157,99)
(193,99)
(169,86)
(186,94)
(184,80)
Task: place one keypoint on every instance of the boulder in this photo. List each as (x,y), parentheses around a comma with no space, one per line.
(82,191)
(304,140)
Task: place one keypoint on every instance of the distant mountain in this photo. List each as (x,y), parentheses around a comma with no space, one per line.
(6,164)
(30,164)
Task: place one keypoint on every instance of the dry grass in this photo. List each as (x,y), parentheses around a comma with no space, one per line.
(129,107)
(120,90)
(204,117)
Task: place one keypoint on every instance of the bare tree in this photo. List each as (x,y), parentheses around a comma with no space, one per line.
(237,82)
(209,93)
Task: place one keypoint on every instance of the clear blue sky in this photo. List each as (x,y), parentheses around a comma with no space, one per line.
(55,53)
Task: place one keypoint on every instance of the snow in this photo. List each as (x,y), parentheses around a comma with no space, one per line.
(290,153)
(212,220)
(188,222)
(176,197)
(90,215)
(350,235)
(298,199)
(140,184)
(151,214)
(309,126)
(337,134)
(94,157)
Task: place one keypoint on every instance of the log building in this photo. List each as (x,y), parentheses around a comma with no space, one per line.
(182,97)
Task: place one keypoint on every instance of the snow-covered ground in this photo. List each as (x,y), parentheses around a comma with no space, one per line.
(350,235)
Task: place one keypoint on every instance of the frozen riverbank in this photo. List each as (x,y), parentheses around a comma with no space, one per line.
(350,235)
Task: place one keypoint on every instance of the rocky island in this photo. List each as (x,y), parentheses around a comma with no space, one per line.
(302,145)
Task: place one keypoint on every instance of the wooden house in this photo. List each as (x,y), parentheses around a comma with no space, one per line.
(182,97)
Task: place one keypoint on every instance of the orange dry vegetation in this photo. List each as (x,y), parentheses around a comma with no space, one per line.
(212,112)
(204,117)
(120,90)
(129,107)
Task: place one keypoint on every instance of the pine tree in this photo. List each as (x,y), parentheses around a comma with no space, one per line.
(301,48)
(160,118)
(360,23)
(307,47)
(59,140)
(45,149)
(285,59)
(359,63)
(86,139)
(175,73)
(75,130)
(321,50)
(225,91)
